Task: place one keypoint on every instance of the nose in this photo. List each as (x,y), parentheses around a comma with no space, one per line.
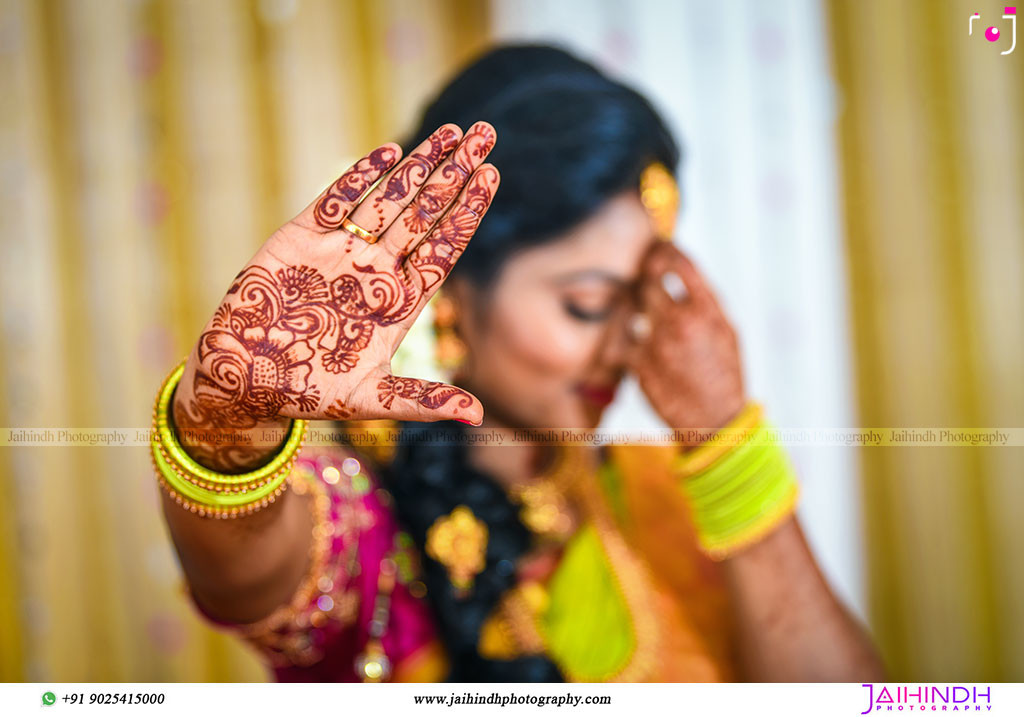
(613,350)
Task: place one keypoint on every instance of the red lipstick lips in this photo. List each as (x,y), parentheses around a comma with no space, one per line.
(597,395)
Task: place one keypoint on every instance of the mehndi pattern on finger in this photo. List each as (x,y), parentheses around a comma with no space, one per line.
(435,197)
(434,257)
(349,187)
(418,166)
(429,394)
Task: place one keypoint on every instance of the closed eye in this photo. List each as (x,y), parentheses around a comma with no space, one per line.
(588,315)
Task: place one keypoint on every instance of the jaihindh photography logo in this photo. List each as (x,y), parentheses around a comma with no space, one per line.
(947,698)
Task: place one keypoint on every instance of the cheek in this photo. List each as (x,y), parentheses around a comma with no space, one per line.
(544,340)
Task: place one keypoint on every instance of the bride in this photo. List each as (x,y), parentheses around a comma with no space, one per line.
(448,558)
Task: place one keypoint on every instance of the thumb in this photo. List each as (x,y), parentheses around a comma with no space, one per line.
(414,399)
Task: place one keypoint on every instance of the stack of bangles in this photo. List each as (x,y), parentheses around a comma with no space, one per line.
(740,485)
(206,492)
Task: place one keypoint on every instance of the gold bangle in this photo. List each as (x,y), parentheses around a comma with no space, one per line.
(208,492)
(208,504)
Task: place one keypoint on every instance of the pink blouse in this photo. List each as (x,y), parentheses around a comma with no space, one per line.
(362,595)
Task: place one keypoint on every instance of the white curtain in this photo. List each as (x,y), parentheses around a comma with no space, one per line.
(747,89)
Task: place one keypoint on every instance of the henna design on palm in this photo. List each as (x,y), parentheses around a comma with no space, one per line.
(338,411)
(308,328)
(393,299)
(256,357)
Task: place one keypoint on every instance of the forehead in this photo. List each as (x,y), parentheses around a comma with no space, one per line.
(612,242)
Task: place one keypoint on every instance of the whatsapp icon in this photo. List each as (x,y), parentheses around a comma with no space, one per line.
(49,698)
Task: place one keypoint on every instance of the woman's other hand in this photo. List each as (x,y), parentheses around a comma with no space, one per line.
(684,351)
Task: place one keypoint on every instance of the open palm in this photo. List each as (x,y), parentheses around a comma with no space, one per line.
(309,326)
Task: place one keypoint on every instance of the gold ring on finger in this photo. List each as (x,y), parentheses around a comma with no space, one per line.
(357,231)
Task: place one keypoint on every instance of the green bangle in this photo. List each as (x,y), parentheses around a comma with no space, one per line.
(169,440)
(730,471)
(208,492)
(763,492)
(741,496)
(210,498)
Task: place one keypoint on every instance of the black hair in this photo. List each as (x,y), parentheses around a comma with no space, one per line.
(569,139)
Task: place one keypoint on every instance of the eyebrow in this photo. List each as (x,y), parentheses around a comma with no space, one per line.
(590,274)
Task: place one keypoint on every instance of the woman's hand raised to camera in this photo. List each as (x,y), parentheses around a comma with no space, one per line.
(309,326)
(683,351)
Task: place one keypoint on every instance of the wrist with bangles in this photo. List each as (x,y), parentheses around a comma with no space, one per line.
(209,493)
(740,485)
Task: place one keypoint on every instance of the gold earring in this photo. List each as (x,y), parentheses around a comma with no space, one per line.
(451,350)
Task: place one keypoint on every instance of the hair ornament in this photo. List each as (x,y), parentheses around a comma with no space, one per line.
(659,193)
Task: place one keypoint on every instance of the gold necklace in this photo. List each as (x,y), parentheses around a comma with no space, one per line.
(545,504)
(516,629)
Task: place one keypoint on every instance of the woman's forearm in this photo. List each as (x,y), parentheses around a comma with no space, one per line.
(790,627)
(238,570)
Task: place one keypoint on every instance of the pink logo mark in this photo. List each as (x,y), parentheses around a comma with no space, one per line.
(993,34)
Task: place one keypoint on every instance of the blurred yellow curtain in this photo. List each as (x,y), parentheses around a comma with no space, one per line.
(932,149)
(148,147)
